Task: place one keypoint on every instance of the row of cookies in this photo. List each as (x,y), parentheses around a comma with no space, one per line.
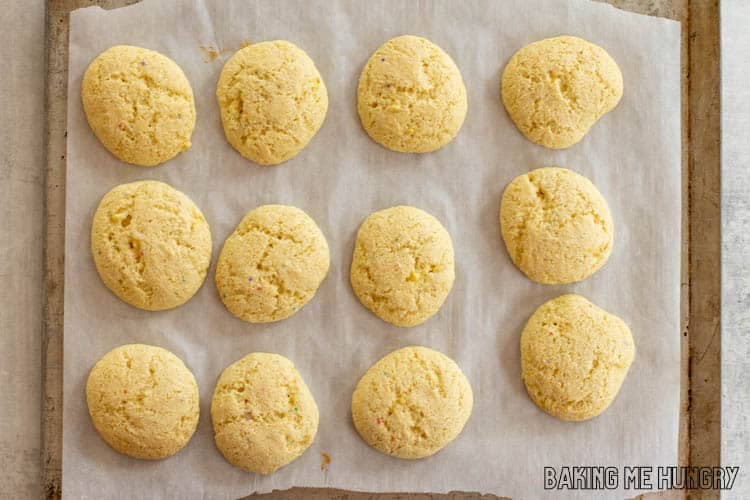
(152,247)
(144,402)
(273,100)
(413,402)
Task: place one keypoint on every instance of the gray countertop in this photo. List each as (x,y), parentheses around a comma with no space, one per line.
(735,226)
(21,245)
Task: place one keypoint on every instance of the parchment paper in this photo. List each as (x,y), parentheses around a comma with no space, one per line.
(632,155)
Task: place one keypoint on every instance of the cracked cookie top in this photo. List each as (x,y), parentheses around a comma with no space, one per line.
(143,401)
(556,89)
(556,225)
(574,357)
(412,403)
(272,101)
(139,104)
(411,97)
(263,414)
(402,268)
(151,245)
(272,264)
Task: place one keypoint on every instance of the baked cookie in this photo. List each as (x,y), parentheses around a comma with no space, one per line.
(411,403)
(411,97)
(151,245)
(272,264)
(555,89)
(143,401)
(574,357)
(139,105)
(272,101)
(402,267)
(556,225)
(263,414)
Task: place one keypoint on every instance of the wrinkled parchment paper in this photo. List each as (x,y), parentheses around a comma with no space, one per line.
(632,155)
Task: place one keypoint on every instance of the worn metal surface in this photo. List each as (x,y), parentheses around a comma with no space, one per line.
(704,235)
(24,189)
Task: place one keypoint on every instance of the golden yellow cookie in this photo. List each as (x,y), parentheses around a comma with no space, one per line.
(555,89)
(556,225)
(151,245)
(412,403)
(263,414)
(272,264)
(402,267)
(411,97)
(143,401)
(272,101)
(139,104)
(574,357)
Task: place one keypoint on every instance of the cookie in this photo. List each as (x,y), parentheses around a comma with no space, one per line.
(143,401)
(151,245)
(272,264)
(556,225)
(272,101)
(263,414)
(411,97)
(574,357)
(139,105)
(411,403)
(556,89)
(402,268)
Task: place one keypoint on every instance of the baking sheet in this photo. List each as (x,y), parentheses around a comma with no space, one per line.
(632,155)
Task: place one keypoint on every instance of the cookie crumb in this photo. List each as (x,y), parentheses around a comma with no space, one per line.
(211,53)
(325,461)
